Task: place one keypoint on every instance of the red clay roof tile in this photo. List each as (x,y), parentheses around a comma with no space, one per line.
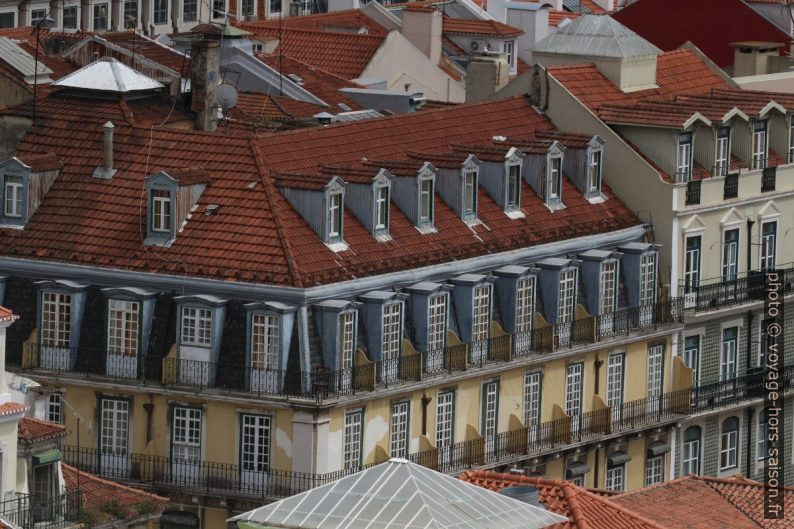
(490,28)
(34,430)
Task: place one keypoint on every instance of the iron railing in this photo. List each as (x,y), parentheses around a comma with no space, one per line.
(758,162)
(731,186)
(718,293)
(27,512)
(737,389)
(768,178)
(693,192)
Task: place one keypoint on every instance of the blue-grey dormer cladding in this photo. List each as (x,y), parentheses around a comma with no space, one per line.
(463,294)
(286,321)
(549,271)
(494,177)
(631,263)
(506,283)
(450,183)
(53,354)
(590,270)
(371,313)
(314,206)
(327,318)
(554,171)
(361,199)
(578,166)
(406,193)
(201,353)
(21,190)
(417,307)
(182,194)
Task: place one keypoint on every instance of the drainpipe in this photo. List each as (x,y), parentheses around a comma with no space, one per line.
(748,465)
(749,334)
(750,223)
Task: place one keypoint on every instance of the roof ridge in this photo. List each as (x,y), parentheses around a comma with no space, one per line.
(312,31)
(577,516)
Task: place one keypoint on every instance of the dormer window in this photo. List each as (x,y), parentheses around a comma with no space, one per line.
(513,186)
(555,176)
(335,216)
(196,326)
(608,283)
(264,341)
(567,295)
(161,210)
(13,196)
(594,172)
(470,194)
(723,151)
(684,161)
(648,279)
(759,144)
(426,201)
(172,196)
(382,208)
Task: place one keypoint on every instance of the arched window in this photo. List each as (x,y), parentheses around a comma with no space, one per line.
(729,443)
(691,452)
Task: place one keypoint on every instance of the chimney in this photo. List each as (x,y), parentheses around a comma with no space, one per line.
(754,58)
(204,73)
(106,170)
(421,25)
(486,74)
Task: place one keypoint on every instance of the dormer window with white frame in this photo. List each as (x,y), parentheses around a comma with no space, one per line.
(525,303)
(594,168)
(759,144)
(722,158)
(171,198)
(196,327)
(470,194)
(608,286)
(555,176)
(551,187)
(335,216)
(509,50)
(683,170)
(161,211)
(13,196)
(381,209)
(567,296)
(426,201)
(513,186)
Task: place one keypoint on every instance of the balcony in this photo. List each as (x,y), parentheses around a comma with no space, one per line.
(693,192)
(768,179)
(706,397)
(56,512)
(731,189)
(369,376)
(716,293)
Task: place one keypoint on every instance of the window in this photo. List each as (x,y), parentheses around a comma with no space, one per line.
(445,410)
(398,444)
(7,20)
(594,171)
(353,439)
(347,333)
(255,435)
(692,356)
(382,208)
(692,264)
(114,428)
(196,326)
(567,295)
(525,304)
(513,186)
(647,279)
(13,196)
(532,388)
(615,384)
(335,214)
(264,341)
(100,16)
(728,355)
(574,389)
(609,276)
(390,350)
(186,436)
(44,487)
(768,244)
(437,322)
(247,8)
(690,458)
(70,17)
(654,470)
(730,255)
(481,313)
(426,201)
(556,178)
(37,15)
(189,10)
(470,193)
(161,210)
(55,408)
(508,47)
(729,443)
(274,6)
(160,11)
(490,413)
(723,152)
(578,481)
(761,433)
(614,478)
(684,164)
(130,13)
(655,374)
(56,312)
(759,144)
(218,9)
(123,327)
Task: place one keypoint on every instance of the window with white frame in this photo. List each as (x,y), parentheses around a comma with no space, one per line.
(615,478)
(274,6)
(56,315)
(730,337)
(445,416)
(481,313)
(382,208)
(761,434)
(573,389)
(392,320)
(690,457)
(353,437)
(654,470)
(255,435)
(186,435)
(692,356)
(189,10)
(730,255)
(648,279)
(335,215)
(768,244)
(578,481)
(532,392)
(70,17)
(470,193)
(426,201)
(398,438)
(13,196)
(130,13)
(555,174)
(161,210)
(264,341)
(684,163)
(437,322)
(247,8)
(347,334)
(729,443)
(123,327)
(508,47)
(196,326)
(100,16)
(609,281)
(490,410)
(723,151)
(37,15)
(218,9)
(615,376)
(692,263)
(655,372)
(114,427)
(567,295)
(525,303)
(160,11)
(759,144)
(55,408)
(513,186)
(594,171)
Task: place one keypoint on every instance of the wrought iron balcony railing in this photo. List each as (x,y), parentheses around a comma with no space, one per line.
(718,293)
(53,512)
(693,192)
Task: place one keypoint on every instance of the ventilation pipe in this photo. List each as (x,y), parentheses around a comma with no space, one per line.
(107,159)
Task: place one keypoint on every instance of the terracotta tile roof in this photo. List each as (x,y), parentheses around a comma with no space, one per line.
(260,108)
(42,162)
(584,509)
(593,7)
(8,408)
(348,21)
(149,48)
(555,17)
(695,502)
(244,241)
(419,8)
(490,28)
(434,105)
(34,430)
(97,493)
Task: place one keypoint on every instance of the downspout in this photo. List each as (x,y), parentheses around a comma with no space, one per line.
(749,334)
(748,466)
(750,223)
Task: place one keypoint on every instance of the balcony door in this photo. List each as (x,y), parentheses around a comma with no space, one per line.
(655,366)
(574,388)
(114,438)
(436,333)
(56,312)
(123,333)
(254,452)
(186,446)
(265,375)
(445,414)
(647,288)
(480,325)
(609,278)
(490,415)
(691,270)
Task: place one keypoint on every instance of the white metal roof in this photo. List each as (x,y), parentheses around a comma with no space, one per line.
(596,35)
(400,495)
(108,75)
(23,62)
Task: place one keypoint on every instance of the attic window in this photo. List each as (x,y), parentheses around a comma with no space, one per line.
(381,208)
(161,210)
(555,176)
(426,201)
(470,194)
(594,172)
(335,216)
(13,195)
(513,186)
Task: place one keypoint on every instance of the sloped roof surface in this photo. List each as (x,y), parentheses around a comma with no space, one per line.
(108,75)
(490,28)
(31,429)
(21,60)
(396,495)
(596,35)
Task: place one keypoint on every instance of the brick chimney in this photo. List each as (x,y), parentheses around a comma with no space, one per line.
(421,25)
(486,74)
(204,73)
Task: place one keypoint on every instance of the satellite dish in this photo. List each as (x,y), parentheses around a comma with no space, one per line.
(226,96)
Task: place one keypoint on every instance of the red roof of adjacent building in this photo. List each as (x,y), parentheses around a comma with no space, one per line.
(695,502)
(8,408)
(555,17)
(584,509)
(351,21)
(488,28)
(712,25)
(150,49)
(34,430)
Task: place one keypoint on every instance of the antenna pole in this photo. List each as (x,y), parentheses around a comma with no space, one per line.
(280,43)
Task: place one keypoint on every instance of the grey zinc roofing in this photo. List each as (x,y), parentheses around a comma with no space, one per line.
(22,61)
(400,495)
(596,35)
(108,75)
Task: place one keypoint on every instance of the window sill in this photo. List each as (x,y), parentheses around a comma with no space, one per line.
(337,247)
(424,230)
(600,199)
(515,214)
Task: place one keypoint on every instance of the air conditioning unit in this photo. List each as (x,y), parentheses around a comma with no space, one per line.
(479,46)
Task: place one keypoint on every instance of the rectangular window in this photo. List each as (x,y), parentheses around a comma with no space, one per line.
(186,436)
(437,322)
(525,304)
(654,470)
(196,326)
(655,372)
(114,428)
(692,264)
(274,6)
(13,196)
(513,185)
(37,15)
(556,178)
(691,451)
(218,9)
(692,357)
(768,245)
(7,20)
(759,144)
(445,409)
(509,50)
(481,314)
(567,295)
(44,483)
(684,164)
(100,17)
(615,376)
(470,193)
(161,210)
(255,435)
(426,201)
(761,434)
(335,214)
(609,280)
(347,330)
(189,10)
(123,327)
(729,444)
(647,279)
(730,255)
(594,173)
(614,478)
(130,13)
(56,310)
(392,318)
(264,341)
(70,17)
(490,414)
(728,355)
(573,389)
(532,392)
(247,8)
(55,408)
(398,443)
(723,152)
(160,11)
(354,424)
(382,208)
(578,481)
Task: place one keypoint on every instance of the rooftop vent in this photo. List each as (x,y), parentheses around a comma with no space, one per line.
(106,170)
